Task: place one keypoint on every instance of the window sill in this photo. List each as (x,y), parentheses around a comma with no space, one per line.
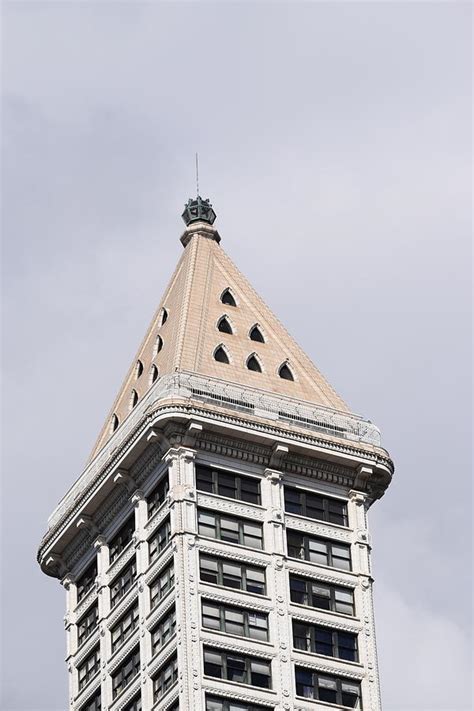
(321,610)
(326,658)
(238,591)
(237,685)
(327,704)
(238,546)
(321,565)
(238,638)
(219,497)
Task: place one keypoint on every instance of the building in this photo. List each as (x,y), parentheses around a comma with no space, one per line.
(215,550)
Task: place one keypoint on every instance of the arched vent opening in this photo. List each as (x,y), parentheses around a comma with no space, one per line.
(134,398)
(158,344)
(285,372)
(256,334)
(253,364)
(139,368)
(153,374)
(227,298)
(115,422)
(224,325)
(220,355)
(163,316)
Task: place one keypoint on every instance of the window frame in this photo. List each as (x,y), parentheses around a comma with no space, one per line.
(157,631)
(90,627)
(243,537)
(86,581)
(339,682)
(329,544)
(247,660)
(326,501)
(309,594)
(122,538)
(158,495)
(225,704)
(125,582)
(154,554)
(125,679)
(171,664)
(216,483)
(311,640)
(134,615)
(167,572)
(222,609)
(91,704)
(90,672)
(244,570)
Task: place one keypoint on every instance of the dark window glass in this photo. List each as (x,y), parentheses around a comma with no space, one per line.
(123,582)
(321,595)
(319,550)
(321,508)
(228,528)
(214,703)
(256,335)
(159,541)
(322,687)
(125,673)
(86,581)
(161,585)
(235,620)
(234,486)
(227,298)
(125,627)
(122,539)
(135,704)
(164,630)
(238,668)
(285,373)
(158,495)
(165,679)
(94,704)
(232,574)
(89,668)
(224,325)
(324,640)
(87,624)
(220,355)
(253,364)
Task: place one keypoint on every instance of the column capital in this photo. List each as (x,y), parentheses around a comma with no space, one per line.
(87,523)
(273,475)
(137,496)
(279,452)
(68,580)
(99,542)
(364,472)
(193,431)
(123,478)
(358,497)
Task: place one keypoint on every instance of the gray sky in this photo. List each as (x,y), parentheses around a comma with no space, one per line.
(335,146)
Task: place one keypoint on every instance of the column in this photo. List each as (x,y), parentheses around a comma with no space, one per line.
(103,600)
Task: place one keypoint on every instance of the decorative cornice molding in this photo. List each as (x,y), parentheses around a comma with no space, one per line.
(317,529)
(337,669)
(237,695)
(305,572)
(232,598)
(238,508)
(323,622)
(203,546)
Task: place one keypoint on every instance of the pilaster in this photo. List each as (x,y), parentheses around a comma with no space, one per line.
(103,600)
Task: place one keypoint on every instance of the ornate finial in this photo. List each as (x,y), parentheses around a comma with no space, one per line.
(198,210)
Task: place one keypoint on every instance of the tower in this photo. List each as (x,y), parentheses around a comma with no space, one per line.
(215,550)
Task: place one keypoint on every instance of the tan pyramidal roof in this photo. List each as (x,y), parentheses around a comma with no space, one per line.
(184,335)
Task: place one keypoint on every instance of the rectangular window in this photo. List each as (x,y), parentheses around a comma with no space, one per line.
(94,704)
(157,496)
(165,679)
(324,640)
(89,668)
(122,538)
(123,582)
(319,550)
(321,595)
(134,705)
(164,631)
(126,672)
(161,585)
(321,508)
(86,581)
(223,483)
(235,620)
(159,541)
(124,628)
(235,667)
(230,529)
(87,624)
(232,574)
(214,703)
(332,689)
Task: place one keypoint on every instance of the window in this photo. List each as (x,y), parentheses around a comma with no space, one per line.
(133,399)
(94,704)
(138,369)
(134,705)
(256,334)
(157,496)
(122,538)
(319,550)
(124,628)
(235,667)
(228,528)
(285,372)
(224,326)
(86,581)
(122,583)
(321,508)
(163,316)
(164,630)
(153,374)
(89,668)
(158,345)
(87,624)
(232,574)
(126,672)
(326,597)
(114,423)
(214,703)
(227,484)
(159,541)
(234,620)
(322,687)
(220,355)
(165,679)
(253,364)
(227,298)
(323,640)
(161,585)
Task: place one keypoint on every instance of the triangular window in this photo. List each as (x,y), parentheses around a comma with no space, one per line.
(224,325)
(158,344)
(139,368)
(227,298)
(285,372)
(134,399)
(253,364)
(256,334)
(115,422)
(220,355)
(164,316)
(153,374)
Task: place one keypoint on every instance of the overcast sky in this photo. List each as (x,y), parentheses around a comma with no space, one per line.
(334,144)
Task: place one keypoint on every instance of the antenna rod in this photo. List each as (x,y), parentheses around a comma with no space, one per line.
(197,174)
